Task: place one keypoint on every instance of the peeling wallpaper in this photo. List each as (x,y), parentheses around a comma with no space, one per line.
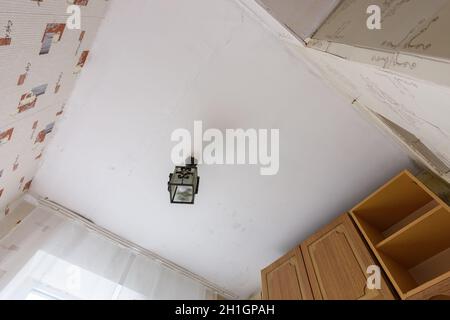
(418,106)
(292,21)
(400,72)
(40,60)
(409,26)
(302,17)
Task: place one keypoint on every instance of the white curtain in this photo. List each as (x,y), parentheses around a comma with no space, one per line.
(49,256)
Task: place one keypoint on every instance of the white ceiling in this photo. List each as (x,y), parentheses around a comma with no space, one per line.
(159,65)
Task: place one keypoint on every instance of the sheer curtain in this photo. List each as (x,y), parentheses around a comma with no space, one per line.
(49,256)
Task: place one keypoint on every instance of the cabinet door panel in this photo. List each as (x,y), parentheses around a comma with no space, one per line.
(336,260)
(286,279)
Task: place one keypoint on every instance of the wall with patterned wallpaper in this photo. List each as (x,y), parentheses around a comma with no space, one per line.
(40,60)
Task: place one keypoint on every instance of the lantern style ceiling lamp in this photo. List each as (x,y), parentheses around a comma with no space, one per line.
(183,183)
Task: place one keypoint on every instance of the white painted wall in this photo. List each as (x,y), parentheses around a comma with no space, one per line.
(159,65)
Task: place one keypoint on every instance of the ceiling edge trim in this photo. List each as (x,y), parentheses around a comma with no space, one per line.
(61,210)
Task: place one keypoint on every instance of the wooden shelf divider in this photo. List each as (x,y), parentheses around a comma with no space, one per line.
(407,227)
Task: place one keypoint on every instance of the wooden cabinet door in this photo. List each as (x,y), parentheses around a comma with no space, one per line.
(336,260)
(286,279)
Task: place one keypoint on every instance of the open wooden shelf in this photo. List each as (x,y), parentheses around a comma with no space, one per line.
(401,228)
(408,228)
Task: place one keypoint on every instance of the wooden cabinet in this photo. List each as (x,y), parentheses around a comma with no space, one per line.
(408,228)
(407,231)
(286,279)
(439,291)
(331,265)
(336,260)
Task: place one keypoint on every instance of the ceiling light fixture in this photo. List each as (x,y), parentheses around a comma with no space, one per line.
(183,183)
